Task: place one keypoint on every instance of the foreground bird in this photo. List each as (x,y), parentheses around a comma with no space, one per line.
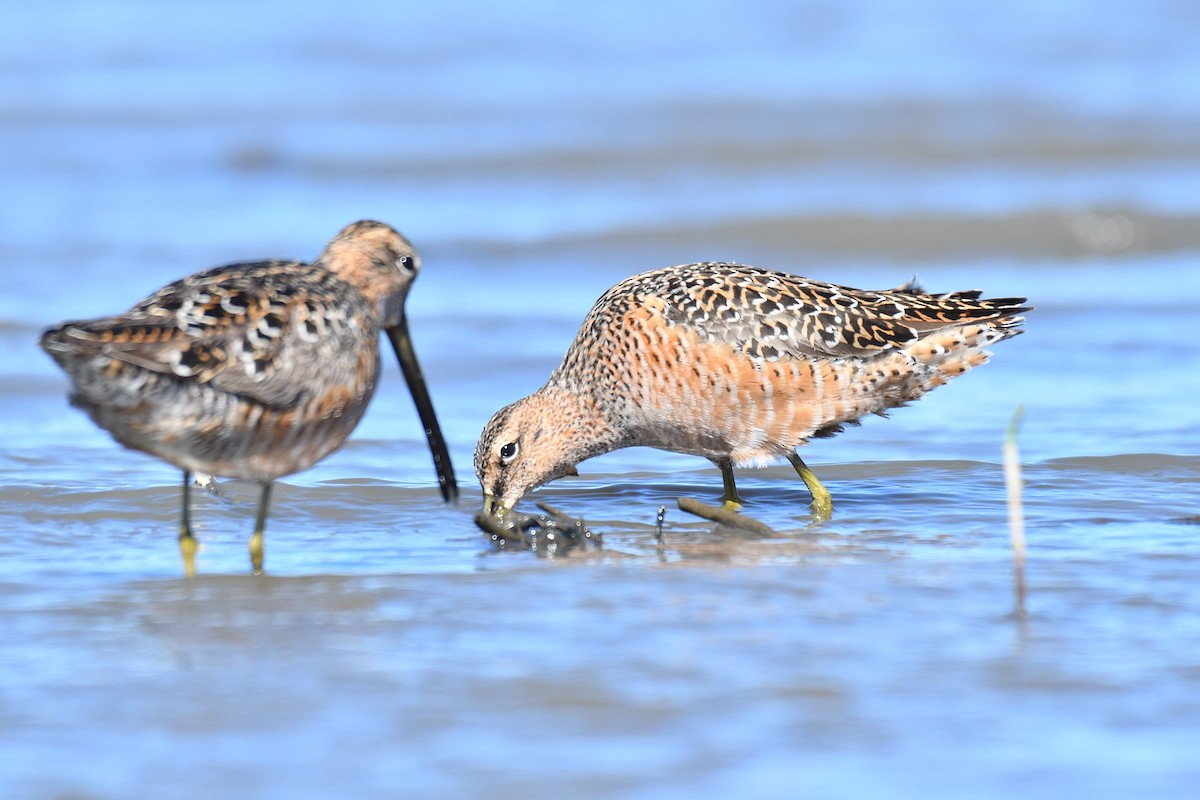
(254,370)
(737,364)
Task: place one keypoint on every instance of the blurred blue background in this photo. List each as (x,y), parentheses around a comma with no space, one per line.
(536,153)
(181,134)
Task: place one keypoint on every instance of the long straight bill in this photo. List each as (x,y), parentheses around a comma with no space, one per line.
(402,344)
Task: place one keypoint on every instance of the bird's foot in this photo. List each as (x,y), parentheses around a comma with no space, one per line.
(187,548)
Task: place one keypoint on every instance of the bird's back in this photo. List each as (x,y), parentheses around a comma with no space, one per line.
(723,360)
(251,370)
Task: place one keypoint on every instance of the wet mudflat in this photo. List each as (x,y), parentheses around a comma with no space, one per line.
(392,648)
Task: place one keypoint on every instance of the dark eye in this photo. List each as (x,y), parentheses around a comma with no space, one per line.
(508,452)
(406,263)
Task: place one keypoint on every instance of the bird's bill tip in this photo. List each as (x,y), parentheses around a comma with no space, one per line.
(492,506)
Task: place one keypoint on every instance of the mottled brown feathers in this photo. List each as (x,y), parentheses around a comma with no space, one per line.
(737,364)
(253,370)
(772,314)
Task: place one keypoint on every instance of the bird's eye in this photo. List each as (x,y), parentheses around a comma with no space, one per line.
(406,263)
(508,452)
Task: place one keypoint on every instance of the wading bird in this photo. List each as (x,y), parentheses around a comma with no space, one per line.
(737,364)
(253,370)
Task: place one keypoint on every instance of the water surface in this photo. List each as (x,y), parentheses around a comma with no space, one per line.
(536,156)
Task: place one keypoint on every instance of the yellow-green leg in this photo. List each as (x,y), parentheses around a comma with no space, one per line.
(187,542)
(730,499)
(822,502)
(260,523)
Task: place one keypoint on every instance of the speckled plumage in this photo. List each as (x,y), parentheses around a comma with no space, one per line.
(252,370)
(737,364)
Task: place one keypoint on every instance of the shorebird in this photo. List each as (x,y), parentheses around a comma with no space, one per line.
(737,364)
(253,370)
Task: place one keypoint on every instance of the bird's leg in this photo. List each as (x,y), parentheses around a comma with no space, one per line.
(260,522)
(730,499)
(822,502)
(187,542)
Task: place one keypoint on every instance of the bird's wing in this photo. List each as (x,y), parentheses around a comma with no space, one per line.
(256,329)
(770,314)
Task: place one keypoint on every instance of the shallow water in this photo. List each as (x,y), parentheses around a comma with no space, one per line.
(535,158)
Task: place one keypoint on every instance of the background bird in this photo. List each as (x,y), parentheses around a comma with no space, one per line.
(253,370)
(737,364)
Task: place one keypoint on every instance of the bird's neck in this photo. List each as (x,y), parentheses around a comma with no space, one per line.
(581,419)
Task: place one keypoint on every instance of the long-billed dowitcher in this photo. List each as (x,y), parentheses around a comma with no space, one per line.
(253,370)
(737,364)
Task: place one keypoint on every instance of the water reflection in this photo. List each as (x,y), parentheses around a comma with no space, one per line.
(537,157)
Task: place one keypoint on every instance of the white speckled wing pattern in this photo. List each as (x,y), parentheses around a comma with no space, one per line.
(247,329)
(773,315)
